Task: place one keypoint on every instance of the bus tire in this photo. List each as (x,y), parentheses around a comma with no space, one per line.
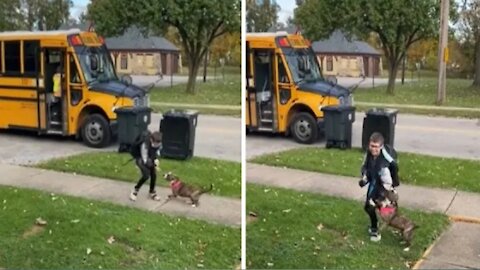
(303,128)
(96,131)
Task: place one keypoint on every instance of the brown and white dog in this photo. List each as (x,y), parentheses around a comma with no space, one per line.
(179,188)
(388,212)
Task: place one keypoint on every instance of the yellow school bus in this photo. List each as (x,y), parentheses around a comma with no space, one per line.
(89,88)
(285,87)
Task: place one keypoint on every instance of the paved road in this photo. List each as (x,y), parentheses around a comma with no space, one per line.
(367,83)
(143,80)
(216,137)
(438,136)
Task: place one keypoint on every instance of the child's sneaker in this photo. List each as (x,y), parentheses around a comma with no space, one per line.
(375,236)
(154,196)
(133,196)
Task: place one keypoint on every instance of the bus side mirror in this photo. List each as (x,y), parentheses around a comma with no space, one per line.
(126,79)
(332,80)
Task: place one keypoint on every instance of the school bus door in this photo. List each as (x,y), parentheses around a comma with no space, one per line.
(265,106)
(283,88)
(53,112)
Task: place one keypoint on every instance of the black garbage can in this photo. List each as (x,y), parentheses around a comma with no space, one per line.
(379,120)
(338,121)
(178,133)
(132,122)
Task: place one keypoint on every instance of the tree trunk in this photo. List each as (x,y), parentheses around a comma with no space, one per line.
(403,69)
(392,75)
(476,79)
(193,66)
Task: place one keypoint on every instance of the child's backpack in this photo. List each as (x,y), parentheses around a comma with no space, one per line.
(390,156)
(135,148)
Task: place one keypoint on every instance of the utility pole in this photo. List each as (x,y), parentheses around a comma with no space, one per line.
(442,52)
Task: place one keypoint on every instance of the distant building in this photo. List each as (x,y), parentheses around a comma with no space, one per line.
(351,58)
(340,56)
(132,53)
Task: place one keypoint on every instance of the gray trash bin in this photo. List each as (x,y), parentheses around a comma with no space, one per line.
(379,120)
(178,133)
(132,122)
(338,121)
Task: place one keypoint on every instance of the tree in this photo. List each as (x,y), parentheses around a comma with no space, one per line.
(261,17)
(198,22)
(398,24)
(470,24)
(45,14)
(10,16)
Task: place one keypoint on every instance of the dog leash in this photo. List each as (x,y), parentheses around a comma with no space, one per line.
(165,202)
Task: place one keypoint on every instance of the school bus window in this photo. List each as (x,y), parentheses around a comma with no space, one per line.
(30,56)
(302,65)
(1,57)
(282,72)
(74,76)
(104,72)
(12,56)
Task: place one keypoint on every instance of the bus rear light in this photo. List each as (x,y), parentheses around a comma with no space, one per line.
(283,42)
(76,40)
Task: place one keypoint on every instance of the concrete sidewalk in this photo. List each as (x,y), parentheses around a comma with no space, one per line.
(459,205)
(214,209)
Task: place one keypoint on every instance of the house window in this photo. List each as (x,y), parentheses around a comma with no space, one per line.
(12,56)
(329,63)
(123,61)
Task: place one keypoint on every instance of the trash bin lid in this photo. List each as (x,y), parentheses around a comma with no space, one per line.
(133,110)
(338,108)
(180,113)
(382,111)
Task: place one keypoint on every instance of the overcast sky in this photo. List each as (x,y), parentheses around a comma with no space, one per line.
(287,7)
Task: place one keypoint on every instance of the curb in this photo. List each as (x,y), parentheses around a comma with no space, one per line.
(464,219)
(427,252)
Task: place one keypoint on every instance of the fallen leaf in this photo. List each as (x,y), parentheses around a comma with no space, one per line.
(320,227)
(200,265)
(89,250)
(39,221)
(286,210)
(4,201)
(266,190)
(252,214)
(75,220)
(269,264)
(111,239)
(102,253)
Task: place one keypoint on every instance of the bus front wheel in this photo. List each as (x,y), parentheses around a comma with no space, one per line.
(304,128)
(96,131)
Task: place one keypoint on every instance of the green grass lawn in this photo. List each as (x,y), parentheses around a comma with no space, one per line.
(215,91)
(143,240)
(225,175)
(424,92)
(309,231)
(415,169)
(214,111)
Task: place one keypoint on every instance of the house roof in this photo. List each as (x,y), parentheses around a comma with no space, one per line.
(132,39)
(338,43)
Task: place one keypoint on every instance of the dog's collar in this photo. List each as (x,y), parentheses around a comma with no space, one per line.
(388,210)
(175,184)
